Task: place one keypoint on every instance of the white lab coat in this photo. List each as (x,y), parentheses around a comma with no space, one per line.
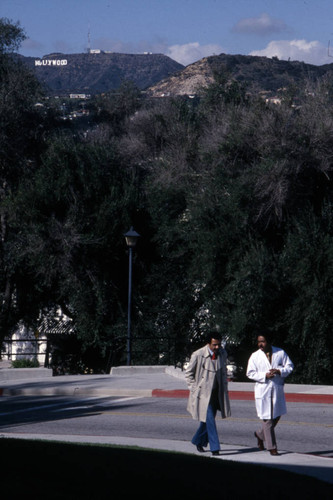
(269,393)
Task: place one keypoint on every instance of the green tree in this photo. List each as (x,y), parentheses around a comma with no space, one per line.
(225,89)
(162,142)
(21,140)
(73,212)
(308,266)
(11,35)
(115,107)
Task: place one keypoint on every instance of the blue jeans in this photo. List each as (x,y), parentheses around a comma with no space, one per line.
(207,432)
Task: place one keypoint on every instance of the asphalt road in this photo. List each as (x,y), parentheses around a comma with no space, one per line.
(307,428)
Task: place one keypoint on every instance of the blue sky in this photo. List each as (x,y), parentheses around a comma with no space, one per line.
(185,30)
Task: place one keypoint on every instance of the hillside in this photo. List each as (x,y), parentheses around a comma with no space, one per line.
(96,73)
(161,76)
(258,73)
(186,82)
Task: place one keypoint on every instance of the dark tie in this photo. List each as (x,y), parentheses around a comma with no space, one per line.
(214,355)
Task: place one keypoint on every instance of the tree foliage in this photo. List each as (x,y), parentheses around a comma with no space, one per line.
(11,35)
(21,140)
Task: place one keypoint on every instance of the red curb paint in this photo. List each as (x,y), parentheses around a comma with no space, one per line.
(177,393)
(310,398)
(249,396)
(241,395)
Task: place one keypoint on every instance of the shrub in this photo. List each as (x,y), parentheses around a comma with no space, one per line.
(25,363)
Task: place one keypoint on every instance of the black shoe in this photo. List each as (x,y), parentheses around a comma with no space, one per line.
(215,453)
(274,452)
(200,449)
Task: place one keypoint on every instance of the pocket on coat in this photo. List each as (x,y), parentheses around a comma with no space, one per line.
(261,406)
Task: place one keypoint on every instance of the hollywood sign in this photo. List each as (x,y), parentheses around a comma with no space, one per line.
(51,62)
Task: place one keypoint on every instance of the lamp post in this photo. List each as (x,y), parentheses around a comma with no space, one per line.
(131,238)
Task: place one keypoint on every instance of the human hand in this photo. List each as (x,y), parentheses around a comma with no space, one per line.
(272,372)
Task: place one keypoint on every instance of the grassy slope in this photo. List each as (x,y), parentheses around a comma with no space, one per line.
(45,469)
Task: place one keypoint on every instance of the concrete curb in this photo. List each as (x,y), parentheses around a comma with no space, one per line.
(138,370)
(24,373)
(147,393)
(249,396)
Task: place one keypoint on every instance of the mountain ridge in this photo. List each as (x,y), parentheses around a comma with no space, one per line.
(257,73)
(94,73)
(159,75)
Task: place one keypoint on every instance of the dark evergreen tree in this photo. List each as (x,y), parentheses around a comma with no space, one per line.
(21,140)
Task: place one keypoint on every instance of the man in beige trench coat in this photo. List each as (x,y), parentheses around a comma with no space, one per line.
(206,377)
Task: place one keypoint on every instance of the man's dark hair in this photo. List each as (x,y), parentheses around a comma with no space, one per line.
(213,335)
(263,332)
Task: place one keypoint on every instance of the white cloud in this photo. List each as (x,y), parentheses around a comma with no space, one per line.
(296,50)
(119,46)
(36,49)
(262,25)
(191,52)
(32,45)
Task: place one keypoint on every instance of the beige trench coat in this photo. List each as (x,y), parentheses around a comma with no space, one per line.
(200,375)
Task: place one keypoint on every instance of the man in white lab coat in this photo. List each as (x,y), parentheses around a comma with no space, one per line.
(268,367)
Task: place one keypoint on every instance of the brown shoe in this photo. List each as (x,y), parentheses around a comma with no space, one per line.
(274,452)
(260,442)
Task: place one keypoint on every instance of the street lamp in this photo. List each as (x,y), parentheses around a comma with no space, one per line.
(131,238)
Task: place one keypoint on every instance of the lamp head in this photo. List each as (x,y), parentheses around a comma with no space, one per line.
(131,237)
